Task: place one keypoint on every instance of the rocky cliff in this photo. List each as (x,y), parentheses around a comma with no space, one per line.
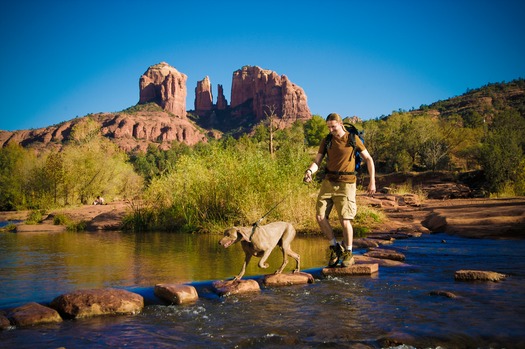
(267,92)
(131,131)
(165,86)
(160,116)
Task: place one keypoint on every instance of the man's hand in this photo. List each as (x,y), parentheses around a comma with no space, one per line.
(307,176)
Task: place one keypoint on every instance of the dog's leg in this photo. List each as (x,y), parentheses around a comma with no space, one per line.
(288,236)
(296,257)
(285,261)
(262,262)
(243,269)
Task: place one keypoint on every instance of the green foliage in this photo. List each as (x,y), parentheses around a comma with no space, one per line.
(35,217)
(315,130)
(85,168)
(147,107)
(220,184)
(502,153)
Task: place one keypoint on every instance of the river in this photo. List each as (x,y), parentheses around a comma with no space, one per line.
(392,308)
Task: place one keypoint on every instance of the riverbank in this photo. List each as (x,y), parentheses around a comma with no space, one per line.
(474,218)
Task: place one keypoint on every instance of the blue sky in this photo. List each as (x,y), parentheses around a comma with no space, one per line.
(65,59)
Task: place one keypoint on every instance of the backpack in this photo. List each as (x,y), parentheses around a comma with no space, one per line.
(350,128)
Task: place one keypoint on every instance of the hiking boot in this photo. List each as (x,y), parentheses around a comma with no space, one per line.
(348,259)
(336,252)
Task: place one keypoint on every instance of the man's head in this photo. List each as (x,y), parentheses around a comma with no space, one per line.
(334,122)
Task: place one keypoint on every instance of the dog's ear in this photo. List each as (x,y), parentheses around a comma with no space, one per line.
(244,232)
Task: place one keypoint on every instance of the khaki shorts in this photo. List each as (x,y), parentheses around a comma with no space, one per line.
(340,194)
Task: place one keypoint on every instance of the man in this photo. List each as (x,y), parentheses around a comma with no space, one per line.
(339,186)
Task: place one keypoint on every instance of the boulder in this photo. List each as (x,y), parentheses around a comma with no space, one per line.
(176,293)
(33,314)
(298,278)
(481,275)
(5,324)
(87,303)
(385,254)
(356,269)
(231,287)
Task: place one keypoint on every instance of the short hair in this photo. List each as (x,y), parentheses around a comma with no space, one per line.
(334,116)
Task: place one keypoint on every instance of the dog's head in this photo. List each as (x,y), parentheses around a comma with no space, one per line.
(231,236)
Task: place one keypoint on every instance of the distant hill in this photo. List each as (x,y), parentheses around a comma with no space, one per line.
(481,104)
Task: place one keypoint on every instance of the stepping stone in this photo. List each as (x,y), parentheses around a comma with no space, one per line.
(473,275)
(87,303)
(356,269)
(176,293)
(288,279)
(231,287)
(385,254)
(33,314)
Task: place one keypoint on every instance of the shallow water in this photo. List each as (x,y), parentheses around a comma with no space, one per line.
(387,309)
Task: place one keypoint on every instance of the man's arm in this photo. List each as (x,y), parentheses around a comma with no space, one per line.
(312,168)
(371,171)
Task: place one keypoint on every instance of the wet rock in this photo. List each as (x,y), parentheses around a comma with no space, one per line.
(231,287)
(385,254)
(356,269)
(87,303)
(473,275)
(33,314)
(364,243)
(288,279)
(175,293)
(443,293)
(5,324)
(379,261)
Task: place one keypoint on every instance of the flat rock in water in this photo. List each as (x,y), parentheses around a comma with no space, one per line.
(176,293)
(356,269)
(381,262)
(231,287)
(481,275)
(87,303)
(385,254)
(33,314)
(298,278)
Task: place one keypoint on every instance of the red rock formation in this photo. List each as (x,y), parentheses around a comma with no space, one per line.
(131,132)
(203,97)
(268,92)
(222,103)
(165,86)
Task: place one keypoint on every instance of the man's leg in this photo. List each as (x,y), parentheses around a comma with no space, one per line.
(348,233)
(348,237)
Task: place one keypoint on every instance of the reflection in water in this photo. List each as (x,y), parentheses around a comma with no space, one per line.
(392,307)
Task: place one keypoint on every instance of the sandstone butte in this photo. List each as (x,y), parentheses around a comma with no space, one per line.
(256,94)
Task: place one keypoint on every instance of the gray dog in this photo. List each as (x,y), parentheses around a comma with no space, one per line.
(259,241)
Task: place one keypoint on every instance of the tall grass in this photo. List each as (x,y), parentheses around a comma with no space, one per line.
(223,183)
(219,185)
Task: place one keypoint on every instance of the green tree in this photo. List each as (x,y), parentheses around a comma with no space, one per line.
(315,130)
(502,153)
(12,167)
